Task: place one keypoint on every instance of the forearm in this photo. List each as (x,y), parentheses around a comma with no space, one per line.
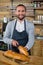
(7,40)
(31,38)
(30,44)
(7,35)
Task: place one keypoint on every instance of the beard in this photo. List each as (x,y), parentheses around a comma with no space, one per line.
(20,18)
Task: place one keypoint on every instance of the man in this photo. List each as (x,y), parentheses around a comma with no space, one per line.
(19,31)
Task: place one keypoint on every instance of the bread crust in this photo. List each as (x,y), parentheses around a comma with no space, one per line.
(17,56)
(23,50)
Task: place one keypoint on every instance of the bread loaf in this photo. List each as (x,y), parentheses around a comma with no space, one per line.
(15,55)
(23,50)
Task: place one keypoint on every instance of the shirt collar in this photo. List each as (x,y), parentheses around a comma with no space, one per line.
(22,22)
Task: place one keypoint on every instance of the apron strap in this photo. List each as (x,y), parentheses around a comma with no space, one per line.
(15,24)
(24,25)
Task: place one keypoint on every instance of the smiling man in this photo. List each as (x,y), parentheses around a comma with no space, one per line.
(19,31)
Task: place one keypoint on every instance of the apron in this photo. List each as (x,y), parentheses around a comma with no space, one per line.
(21,37)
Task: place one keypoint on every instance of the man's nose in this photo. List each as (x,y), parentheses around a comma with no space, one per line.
(20,12)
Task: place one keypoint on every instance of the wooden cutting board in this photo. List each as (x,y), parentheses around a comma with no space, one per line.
(34,60)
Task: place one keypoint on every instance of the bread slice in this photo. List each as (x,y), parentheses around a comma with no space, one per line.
(23,50)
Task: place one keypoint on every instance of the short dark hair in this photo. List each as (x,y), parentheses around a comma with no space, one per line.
(21,5)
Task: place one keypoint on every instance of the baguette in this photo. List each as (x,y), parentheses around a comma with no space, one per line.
(16,55)
(23,50)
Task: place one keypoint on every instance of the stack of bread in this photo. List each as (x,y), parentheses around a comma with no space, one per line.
(23,55)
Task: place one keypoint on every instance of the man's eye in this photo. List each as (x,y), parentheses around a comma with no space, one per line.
(18,10)
(23,11)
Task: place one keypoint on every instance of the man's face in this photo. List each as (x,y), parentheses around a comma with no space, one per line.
(20,12)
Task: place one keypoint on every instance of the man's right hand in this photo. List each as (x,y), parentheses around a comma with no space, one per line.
(15,43)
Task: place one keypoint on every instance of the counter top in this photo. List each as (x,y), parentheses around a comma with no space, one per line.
(33,60)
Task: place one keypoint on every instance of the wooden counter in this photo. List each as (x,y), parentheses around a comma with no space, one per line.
(34,60)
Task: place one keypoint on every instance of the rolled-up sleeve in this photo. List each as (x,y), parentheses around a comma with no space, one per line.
(7,35)
(30,37)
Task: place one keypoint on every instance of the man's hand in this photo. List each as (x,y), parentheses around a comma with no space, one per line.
(26,48)
(15,43)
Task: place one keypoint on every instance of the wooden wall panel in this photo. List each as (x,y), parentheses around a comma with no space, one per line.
(39,30)
(5,4)
(39,12)
(22,1)
(37,48)
(30,18)
(4,1)
(6,13)
(1,27)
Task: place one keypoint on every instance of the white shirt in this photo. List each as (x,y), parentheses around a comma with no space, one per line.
(20,26)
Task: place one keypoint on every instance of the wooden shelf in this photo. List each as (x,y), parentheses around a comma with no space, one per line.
(38,24)
(30,15)
(37,0)
(39,8)
(39,38)
(35,8)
